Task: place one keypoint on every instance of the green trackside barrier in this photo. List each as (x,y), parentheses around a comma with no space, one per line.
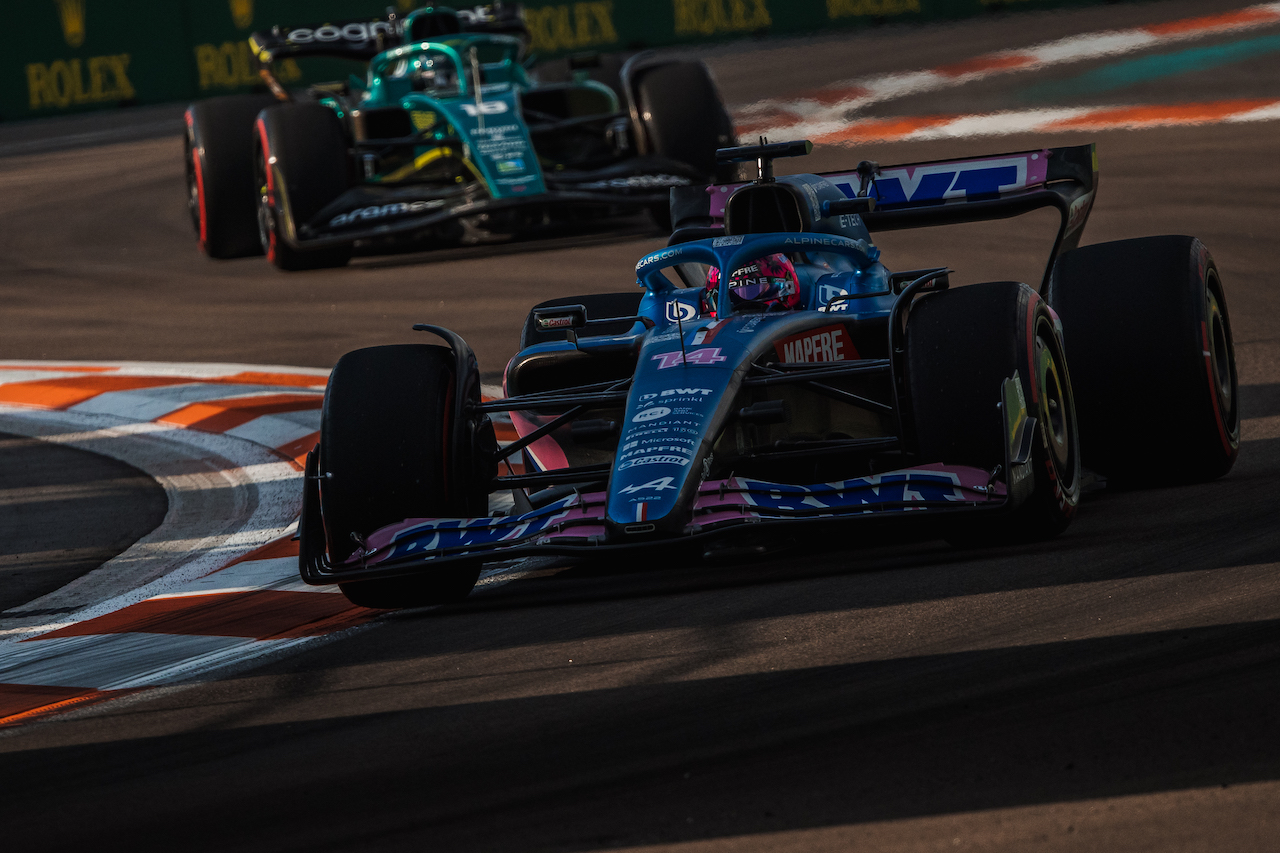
(559,28)
(93,54)
(80,54)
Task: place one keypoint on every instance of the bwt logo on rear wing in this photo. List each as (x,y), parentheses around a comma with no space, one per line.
(984,177)
(1069,172)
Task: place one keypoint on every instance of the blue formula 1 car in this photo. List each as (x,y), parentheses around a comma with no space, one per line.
(773,380)
(451,129)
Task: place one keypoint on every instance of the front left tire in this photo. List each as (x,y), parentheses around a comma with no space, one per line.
(961,346)
(385,454)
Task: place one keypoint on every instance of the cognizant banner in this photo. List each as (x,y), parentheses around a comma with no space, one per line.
(92,54)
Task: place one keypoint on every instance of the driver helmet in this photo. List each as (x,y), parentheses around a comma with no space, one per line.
(769,283)
(426,72)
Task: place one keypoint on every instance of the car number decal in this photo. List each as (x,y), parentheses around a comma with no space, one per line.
(705,357)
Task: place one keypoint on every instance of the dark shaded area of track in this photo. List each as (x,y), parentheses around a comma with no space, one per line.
(862,694)
(1116,689)
(65,512)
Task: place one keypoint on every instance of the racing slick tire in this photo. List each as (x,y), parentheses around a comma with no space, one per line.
(599,306)
(218,151)
(300,165)
(385,437)
(682,115)
(1145,322)
(961,345)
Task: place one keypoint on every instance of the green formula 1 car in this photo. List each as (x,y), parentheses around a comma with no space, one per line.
(452,127)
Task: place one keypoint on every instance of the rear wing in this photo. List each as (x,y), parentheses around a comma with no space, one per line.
(942,192)
(360,39)
(946,191)
(365,38)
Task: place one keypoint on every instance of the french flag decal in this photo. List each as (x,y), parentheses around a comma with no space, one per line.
(703,336)
(642,511)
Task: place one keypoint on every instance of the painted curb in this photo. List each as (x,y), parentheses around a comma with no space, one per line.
(216,584)
(828,115)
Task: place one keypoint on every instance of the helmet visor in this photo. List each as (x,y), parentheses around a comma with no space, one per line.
(757,289)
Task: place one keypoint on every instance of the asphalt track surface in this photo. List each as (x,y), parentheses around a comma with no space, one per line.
(1115,689)
(66,512)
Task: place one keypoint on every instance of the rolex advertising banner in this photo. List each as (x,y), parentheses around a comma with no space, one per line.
(77,55)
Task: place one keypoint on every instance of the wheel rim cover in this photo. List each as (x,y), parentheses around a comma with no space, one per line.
(1055,407)
(1218,353)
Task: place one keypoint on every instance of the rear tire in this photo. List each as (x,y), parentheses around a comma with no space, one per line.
(682,115)
(311,168)
(961,345)
(221,196)
(1152,359)
(384,450)
(599,306)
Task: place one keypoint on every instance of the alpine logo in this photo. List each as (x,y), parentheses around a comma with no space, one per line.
(658,485)
(830,343)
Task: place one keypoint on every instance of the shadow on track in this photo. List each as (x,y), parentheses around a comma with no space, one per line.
(1182,530)
(576,764)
